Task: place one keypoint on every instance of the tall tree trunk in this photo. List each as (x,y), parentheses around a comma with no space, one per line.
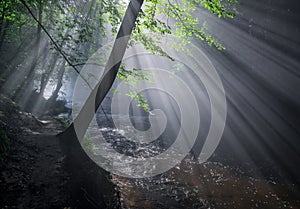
(46,76)
(3,26)
(69,137)
(47,73)
(23,46)
(14,73)
(41,105)
(38,103)
(117,53)
(77,160)
(24,88)
(3,33)
(59,84)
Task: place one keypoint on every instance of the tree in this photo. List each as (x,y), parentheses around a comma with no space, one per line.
(73,31)
(68,137)
(137,22)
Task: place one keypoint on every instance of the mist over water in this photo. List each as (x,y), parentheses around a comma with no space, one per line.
(259,152)
(259,71)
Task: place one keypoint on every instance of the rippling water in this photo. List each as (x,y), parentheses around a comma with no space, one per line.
(190,184)
(210,185)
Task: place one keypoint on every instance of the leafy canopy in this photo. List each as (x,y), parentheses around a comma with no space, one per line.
(161,17)
(78,26)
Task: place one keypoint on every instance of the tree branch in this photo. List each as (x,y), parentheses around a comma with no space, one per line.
(54,42)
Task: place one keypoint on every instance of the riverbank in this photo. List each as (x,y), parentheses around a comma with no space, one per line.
(34,172)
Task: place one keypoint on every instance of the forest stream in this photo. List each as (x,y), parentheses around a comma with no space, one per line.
(148,104)
(34,175)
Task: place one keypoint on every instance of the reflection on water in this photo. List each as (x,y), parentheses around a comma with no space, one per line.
(209,185)
(194,185)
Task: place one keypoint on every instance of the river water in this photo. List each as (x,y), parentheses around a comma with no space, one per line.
(256,164)
(214,184)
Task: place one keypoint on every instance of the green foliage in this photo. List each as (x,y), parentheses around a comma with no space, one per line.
(65,121)
(134,75)
(112,13)
(178,67)
(140,98)
(154,22)
(77,27)
(5,143)
(131,78)
(13,21)
(184,24)
(114,91)
(219,7)
(88,144)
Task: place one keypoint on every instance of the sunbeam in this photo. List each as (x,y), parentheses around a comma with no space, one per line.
(150,104)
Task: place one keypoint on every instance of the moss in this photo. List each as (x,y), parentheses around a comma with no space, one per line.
(65,121)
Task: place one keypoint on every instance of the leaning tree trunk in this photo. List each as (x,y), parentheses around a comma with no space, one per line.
(59,84)
(84,170)
(46,76)
(69,136)
(38,104)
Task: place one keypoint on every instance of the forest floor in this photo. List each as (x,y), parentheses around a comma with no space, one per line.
(34,168)
(32,173)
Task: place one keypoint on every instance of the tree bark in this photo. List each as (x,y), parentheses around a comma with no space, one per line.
(24,88)
(59,84)
(84,170)
(117,53)
(3,26)
(47,74)
(3,33)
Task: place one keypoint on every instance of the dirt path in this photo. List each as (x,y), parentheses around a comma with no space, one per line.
(33,175)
